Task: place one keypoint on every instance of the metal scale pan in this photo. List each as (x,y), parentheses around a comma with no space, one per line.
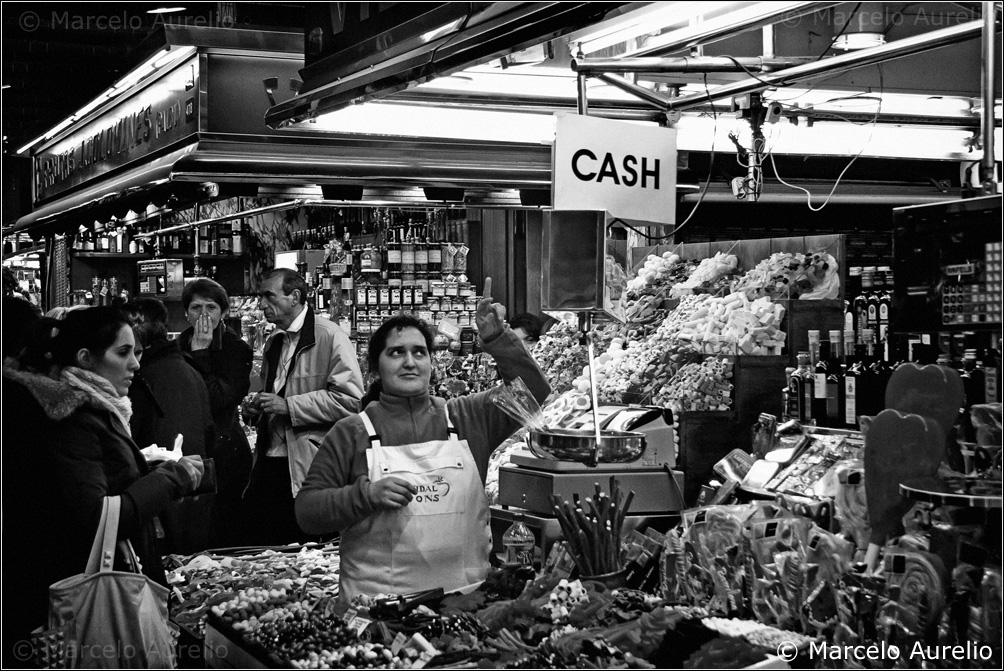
(528,481)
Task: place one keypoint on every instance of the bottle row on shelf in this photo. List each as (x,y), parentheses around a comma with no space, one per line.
(868,302)
(209,240)
(113,290)
(103,291)
(838,380)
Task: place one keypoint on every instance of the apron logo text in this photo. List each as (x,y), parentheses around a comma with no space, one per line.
(434,492)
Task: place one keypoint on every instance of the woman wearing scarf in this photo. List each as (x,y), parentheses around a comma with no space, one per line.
(74,377)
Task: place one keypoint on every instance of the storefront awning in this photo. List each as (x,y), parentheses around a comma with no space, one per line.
(388,161)
(136,184)
(471,166)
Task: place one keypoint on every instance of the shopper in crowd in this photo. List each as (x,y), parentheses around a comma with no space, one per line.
(21,418)
(404,479)
(19,316)
(67,398)
(170,399)
(60,312)
(530,327)
(311,380)
(225,361)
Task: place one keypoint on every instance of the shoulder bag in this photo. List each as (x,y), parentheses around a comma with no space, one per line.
(103,618)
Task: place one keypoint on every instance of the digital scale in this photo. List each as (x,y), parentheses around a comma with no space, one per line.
(527,482)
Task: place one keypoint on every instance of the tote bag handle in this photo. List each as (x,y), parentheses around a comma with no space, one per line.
(102,557)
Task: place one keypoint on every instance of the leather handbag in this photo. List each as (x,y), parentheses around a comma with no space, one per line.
(106,618)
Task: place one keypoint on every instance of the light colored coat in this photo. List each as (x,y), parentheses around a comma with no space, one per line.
(324,384)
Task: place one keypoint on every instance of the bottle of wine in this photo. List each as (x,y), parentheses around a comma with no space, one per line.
(393,258)
(861,302)
(876,378)
(237,237)
(974,384)
(820,401)
(884,295)
(789,405)
(851,377)
(800,387)
(836,342)
(421,252)
(835,384)
(408,257)
(813,337)
(348,284)
(877,284)
(851,293)
(435,264)
(311,290)
(866,401)
(991,374)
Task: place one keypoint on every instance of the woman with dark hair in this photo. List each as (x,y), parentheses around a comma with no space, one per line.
(404,479)
(72,383)
(530,327)
(224,361)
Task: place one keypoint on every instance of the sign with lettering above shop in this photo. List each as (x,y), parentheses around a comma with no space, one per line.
(154,117)
(625,168)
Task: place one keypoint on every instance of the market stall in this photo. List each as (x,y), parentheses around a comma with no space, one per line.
(771,567)
(687,497)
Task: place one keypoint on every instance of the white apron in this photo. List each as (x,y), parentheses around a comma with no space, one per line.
(441,539)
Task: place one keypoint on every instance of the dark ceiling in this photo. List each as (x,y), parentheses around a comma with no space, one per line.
(58,56)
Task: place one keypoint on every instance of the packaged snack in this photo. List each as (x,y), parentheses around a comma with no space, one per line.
(713,544)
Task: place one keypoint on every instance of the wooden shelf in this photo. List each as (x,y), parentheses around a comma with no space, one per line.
(109,255)
(115,256)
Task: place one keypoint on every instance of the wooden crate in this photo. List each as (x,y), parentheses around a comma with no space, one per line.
(800,316)
(703,439)
(758,382)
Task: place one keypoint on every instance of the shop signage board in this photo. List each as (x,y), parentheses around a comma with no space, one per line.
(627,169)
(157,116)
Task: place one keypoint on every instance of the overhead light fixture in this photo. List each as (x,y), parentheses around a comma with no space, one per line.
(862,30)
(442,31)
(165,10)
(650,19)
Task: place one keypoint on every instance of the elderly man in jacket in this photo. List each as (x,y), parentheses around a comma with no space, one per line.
(311,380)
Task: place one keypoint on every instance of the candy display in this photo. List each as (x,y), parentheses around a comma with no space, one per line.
(547,623)
(707,272)
(258,582)
(786,275)
(739,585)
(676,308)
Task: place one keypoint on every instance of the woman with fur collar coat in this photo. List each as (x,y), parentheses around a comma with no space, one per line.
(67,446)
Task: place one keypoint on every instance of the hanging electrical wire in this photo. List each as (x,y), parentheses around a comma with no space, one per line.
(871,134)
(704,190)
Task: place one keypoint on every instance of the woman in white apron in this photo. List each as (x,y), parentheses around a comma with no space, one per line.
(403,481)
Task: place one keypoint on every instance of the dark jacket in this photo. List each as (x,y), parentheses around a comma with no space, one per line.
(65,457)
(225,367)
(169,397)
